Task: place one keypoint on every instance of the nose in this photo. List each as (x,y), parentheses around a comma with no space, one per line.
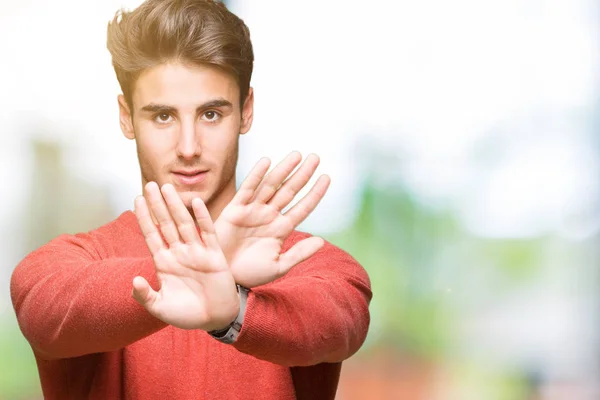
(188,145)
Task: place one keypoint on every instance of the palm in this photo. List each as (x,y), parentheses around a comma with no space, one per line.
(187,274)
(197,289)
(252,228)
(253,235)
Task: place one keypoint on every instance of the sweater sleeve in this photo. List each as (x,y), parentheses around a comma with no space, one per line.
(317,313)
(71,299)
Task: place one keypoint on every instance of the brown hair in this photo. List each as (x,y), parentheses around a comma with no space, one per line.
(194,31)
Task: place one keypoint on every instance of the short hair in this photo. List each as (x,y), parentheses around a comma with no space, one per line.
(200,32)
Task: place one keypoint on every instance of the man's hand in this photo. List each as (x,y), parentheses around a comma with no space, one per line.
(197,289)
(252,228)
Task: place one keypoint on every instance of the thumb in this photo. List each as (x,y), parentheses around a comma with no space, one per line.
(298,253)
(143,292)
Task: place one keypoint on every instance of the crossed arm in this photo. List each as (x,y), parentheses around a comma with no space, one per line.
(195,268)
(197,282)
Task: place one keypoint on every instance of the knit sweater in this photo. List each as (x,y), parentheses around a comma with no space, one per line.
(92,340)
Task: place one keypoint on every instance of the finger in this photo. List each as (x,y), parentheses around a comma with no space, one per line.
(275,178)
(184,222)
(295,183)
(161,213)
(149,230)
(307,204)
(143,293)
(205,223)
(298,253)
(248,187)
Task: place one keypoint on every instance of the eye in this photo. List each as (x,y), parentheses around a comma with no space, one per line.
(163,118)
(211,116)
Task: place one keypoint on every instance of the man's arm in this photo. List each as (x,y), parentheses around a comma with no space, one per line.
(317,313)
(309,300)
(70,301)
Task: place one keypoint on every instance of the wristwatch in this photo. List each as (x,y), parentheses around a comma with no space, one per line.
(229,334)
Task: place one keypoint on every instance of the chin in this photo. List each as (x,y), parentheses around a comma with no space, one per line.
(188,195)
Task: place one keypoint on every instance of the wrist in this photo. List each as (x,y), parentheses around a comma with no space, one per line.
(229,334)
(230,321)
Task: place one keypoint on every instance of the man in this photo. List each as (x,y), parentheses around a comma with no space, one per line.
(164,303)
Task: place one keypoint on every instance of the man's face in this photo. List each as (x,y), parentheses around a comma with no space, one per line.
(186,124)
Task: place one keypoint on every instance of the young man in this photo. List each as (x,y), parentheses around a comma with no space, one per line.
(164,303)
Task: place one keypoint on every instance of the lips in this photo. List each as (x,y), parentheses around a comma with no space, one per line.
(189,173)
(190,177)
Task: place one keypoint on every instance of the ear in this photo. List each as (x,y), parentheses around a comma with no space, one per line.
(125,118)
(247,112)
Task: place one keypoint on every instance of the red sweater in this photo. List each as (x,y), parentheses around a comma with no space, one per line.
(91,340)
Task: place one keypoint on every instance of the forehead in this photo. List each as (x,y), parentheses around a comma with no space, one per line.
(184,86)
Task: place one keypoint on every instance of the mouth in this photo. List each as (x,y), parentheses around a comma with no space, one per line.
(190,177)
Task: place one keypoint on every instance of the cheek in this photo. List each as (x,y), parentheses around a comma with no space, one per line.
(228,151)
(153,153)
(223,156)
(222,142)
(154,141)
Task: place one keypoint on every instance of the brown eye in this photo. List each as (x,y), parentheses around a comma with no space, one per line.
(211,116)
(163,117)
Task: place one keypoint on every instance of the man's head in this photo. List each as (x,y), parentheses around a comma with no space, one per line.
(184,67)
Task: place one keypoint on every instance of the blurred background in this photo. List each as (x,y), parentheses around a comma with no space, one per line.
(462,139)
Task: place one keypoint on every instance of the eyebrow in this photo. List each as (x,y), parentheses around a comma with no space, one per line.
(218,103)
